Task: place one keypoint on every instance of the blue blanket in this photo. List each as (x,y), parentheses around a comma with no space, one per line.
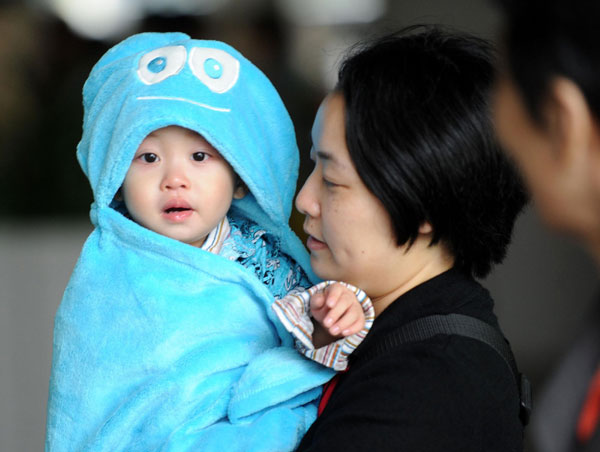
(159,345)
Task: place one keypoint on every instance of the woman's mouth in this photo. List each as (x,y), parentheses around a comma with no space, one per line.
(314,244)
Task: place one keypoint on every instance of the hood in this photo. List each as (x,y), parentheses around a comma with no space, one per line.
(153,80)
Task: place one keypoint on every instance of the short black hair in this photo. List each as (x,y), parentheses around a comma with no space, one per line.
(419,131)
(545,39)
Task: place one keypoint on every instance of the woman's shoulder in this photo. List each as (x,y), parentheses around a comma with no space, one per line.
(452,366)
(448,393)
(460,385)
(462,361)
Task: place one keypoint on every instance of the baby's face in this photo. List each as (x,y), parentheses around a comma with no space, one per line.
(178,185)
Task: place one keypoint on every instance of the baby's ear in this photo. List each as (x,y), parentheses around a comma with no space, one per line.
(118,195)
(240,190)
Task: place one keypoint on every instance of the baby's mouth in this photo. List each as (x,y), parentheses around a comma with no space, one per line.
(176,209)
(176,205)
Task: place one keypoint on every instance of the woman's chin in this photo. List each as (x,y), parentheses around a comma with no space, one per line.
(322,269)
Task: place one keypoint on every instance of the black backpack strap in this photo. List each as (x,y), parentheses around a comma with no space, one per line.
(459,325)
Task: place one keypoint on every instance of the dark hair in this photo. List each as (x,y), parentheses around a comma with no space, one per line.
(419,132)
(544,39)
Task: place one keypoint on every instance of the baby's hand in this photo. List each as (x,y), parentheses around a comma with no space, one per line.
(337,310)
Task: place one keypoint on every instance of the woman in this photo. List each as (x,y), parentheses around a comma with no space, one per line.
(410,199)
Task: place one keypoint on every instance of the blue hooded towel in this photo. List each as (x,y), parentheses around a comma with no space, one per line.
(159,345)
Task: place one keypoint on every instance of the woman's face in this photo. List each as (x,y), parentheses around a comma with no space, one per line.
(350,233)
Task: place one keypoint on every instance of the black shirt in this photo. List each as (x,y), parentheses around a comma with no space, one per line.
(447,393)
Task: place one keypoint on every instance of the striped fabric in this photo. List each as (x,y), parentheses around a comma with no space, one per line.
(216,237)
(293,311)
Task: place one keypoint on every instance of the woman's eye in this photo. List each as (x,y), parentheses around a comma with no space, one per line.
(148,157)
(328,183)
(199,156)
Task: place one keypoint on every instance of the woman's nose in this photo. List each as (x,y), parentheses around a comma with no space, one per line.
(175,178)
(307,201)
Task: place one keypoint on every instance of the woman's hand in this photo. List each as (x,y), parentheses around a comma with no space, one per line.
(337,311)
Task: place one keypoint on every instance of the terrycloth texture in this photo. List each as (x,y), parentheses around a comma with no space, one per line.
(159,345)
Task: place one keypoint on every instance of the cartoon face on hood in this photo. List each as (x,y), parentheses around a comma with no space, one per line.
(153,80)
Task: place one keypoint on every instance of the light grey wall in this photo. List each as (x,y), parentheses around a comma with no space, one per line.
(36,261)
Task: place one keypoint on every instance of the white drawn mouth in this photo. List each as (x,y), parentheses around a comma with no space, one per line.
(181,99)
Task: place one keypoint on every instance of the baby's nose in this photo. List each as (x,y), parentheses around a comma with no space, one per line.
(175,178)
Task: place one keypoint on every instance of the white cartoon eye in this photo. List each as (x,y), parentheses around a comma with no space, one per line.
(215,68)
(159,64)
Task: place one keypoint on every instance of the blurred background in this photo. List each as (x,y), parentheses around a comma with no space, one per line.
(47,48)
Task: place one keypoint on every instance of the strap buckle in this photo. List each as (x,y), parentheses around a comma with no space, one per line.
(525,395)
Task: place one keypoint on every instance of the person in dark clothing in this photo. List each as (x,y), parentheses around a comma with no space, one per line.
(547,110)
(410,199)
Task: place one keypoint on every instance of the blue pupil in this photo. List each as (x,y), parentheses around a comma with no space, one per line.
(157,65)
(213,68)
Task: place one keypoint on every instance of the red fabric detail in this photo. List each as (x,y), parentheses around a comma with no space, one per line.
(590,413)
(327,391)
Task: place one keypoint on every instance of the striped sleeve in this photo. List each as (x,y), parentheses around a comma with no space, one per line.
(293,311)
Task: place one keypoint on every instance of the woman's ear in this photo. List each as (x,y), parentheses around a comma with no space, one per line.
(425,228)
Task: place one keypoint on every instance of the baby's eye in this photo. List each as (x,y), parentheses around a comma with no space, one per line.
(159,64)
(148,157)
(199,156)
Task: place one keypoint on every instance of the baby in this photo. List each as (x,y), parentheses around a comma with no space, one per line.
(160,345)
